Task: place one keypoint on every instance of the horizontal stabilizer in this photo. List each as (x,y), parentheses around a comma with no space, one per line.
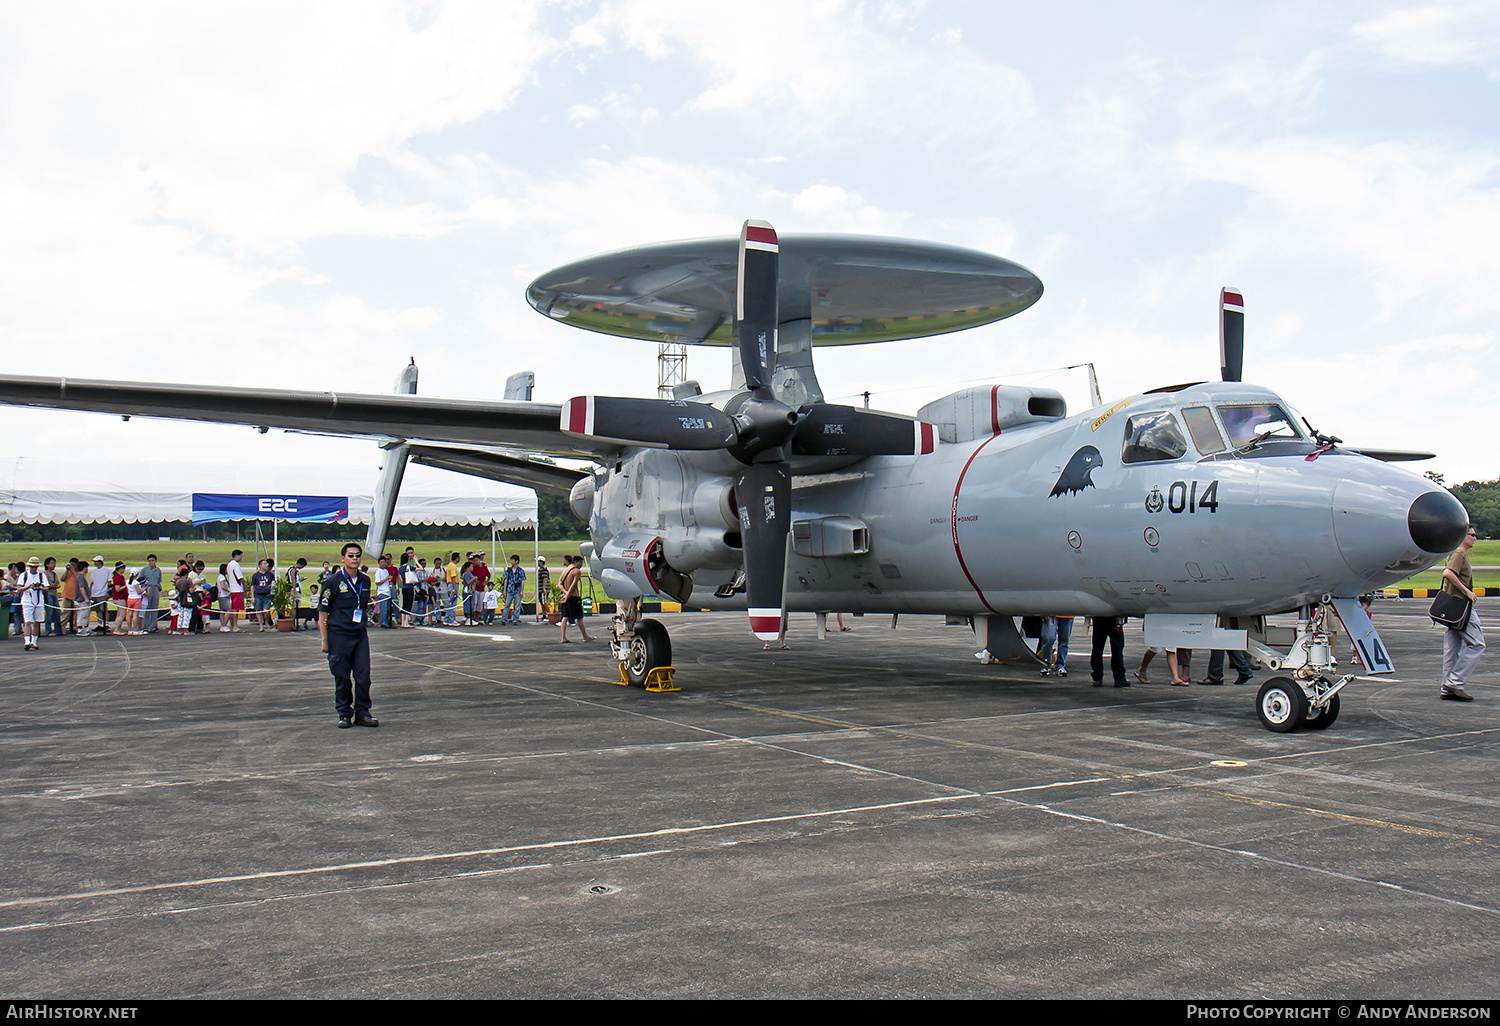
(1394,455)
(494,466)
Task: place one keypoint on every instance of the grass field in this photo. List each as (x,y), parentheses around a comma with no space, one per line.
(1484,553)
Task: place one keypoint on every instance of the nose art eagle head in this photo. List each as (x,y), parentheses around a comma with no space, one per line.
(1075,476)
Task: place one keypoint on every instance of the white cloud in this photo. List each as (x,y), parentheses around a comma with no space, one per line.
(160,167)
(1435,34)
(581,113)
(819,66)
(418,317)
(248,130)
(830,207)
(1417,219)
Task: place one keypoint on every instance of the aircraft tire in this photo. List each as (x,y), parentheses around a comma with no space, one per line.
(650,648)
(1281,705)
(1325,719)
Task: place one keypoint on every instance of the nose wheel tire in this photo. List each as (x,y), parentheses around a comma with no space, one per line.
(1325,718)
(1282,706)
(650,649)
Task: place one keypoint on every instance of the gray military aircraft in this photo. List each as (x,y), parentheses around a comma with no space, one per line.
(1194,506)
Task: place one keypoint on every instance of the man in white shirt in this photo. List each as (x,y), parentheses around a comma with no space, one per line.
(99,582)
(31,585)
(236,591)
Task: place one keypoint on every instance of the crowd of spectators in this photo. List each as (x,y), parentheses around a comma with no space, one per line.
(88,597)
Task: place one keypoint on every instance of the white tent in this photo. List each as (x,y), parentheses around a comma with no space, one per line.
(42,491)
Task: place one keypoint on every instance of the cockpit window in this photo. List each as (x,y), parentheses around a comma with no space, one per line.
(1152,436)
(1205,432)
(1244,423)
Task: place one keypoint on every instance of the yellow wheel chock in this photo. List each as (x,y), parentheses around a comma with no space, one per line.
(658,679)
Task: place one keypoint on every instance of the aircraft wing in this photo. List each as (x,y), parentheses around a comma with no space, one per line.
(510,424)
(495,466)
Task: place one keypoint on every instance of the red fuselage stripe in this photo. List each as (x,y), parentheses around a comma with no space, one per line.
(954,524)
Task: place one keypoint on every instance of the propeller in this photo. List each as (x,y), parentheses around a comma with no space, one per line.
(756,428)
(1231,334)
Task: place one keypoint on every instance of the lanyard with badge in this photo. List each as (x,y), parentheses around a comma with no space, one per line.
(358,615)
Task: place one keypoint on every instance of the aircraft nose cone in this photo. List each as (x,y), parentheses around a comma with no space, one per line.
(1390,524)
(1437,521)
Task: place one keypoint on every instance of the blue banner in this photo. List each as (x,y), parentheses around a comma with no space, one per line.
(304,509)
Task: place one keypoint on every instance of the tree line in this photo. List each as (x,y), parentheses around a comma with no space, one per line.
(1482,500)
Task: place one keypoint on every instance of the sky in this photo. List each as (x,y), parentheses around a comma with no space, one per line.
(307,195)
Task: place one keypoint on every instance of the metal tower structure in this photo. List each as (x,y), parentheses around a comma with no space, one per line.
(671,367)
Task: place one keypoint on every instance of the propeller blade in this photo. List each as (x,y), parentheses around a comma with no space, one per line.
(1231,334)
(829,430)
(667,423)
(764,495)
(755,302)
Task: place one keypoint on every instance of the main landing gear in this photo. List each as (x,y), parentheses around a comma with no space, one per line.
(1309,695)
(642,647)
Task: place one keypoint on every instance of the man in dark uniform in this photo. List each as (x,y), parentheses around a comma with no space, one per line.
(1112,630)
(344,623)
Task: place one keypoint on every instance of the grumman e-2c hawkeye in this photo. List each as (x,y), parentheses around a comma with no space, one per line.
(1190,506)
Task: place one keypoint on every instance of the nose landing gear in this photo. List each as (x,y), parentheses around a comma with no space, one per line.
(1309,697)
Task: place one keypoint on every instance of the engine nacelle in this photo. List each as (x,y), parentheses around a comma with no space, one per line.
(581,499)
(634,565)
(696,547)
(986,410)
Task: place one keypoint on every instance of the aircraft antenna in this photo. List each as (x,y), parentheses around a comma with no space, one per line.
(1093,381)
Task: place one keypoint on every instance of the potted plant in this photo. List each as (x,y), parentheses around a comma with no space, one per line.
(554,604)
(281,603)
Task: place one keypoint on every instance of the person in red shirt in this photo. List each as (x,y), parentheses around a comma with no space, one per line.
(482,577)
(119,594)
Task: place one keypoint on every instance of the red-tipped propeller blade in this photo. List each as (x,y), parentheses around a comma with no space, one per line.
(764,495)
(668,423)
(756,302)
(1231,334)
(829,430)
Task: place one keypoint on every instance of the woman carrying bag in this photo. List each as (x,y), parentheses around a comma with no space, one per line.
(1463,641)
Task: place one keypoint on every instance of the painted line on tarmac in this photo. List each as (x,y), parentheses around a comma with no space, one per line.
(467,634)
(1360,820)
(960,795)
(714,827)
(1340,749)
(409,860)
(1271,859)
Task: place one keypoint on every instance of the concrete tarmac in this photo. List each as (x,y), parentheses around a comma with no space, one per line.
(875,815)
